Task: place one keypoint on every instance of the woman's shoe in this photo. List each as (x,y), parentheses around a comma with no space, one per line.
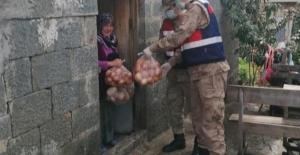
(103,150)
(114,142)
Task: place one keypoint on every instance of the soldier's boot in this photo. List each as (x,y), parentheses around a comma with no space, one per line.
(195,150)
(203,151)
(177,144)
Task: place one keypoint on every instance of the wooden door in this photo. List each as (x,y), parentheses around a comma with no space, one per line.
(125,13)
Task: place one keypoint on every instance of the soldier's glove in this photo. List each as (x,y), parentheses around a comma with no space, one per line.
(147,52)
(165,68)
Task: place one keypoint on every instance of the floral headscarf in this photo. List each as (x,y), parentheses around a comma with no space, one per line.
(111,41)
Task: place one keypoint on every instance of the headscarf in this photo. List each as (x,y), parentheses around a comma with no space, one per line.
(110,41)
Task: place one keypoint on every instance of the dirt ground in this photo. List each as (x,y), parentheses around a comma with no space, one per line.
(257,144)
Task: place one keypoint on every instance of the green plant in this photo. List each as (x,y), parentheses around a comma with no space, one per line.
(255,28)
(242,77)
(296,35)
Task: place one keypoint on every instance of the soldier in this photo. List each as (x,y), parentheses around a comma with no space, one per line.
(202,50)
(178,86)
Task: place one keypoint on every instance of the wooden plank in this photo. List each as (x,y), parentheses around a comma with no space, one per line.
(291,87)
(291,111)
(272,129)
(286,75)
(122,16)
(266,119)
(263,95)
(280,67)
(242,141)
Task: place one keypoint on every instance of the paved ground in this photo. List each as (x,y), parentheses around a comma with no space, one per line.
(258,144)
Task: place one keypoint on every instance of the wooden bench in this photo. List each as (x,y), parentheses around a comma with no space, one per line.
(266,125)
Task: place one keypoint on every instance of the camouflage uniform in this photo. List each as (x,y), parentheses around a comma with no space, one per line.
(178,91)
(208,83)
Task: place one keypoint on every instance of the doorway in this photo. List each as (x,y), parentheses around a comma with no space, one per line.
(125,13)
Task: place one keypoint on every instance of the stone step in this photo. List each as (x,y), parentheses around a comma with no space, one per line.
(128,144)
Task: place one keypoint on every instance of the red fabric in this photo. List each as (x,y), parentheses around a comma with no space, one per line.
(267,75)
(210,9)
(196,36)
(168,26)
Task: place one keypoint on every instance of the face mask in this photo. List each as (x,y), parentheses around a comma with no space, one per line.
(179,4)
(171,14)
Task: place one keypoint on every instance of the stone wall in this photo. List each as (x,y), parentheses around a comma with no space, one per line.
(48,78)
(150,20)
(152,97)
(229,45)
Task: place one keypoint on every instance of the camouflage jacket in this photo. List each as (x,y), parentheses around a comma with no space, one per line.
(196,17)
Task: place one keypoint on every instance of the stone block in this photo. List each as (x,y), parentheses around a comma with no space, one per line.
(80,116)
(53,8)
(30,37)
(5,128)
(82,7)
(24,39)
(3,147)
(157,109)
(156,9)
(84,61)
(86,144)
(30,111)
(157,127)
(18,78)
(50,69)
(152,28)
(69,33)
(88,89)
(65,97)
(141,30)
(3,105)
(28,143)
(90,31)
(15,9)
(48,33)
(93,142)
(69,149)
(55,134)
(27,9)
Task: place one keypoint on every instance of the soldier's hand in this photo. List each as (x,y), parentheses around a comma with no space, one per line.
(165,68)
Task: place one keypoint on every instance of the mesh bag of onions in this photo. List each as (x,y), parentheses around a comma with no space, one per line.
(147,71)
(118,76)
(120,95)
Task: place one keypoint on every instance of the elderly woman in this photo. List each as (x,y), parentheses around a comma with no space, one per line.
(107,57)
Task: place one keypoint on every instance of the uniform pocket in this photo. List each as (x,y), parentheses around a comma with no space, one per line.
(213,87)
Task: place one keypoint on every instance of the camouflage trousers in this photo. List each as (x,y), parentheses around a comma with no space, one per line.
(178,98)
(207,111)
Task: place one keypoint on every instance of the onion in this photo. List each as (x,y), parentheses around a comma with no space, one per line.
(145,66)
(150,80)
(121,82)
(126,96)
(118,71)
(144,81)
(138,76)
(110,91)
(112,99)
(155,79)
(108,73)
(109,80)
(115,78)
(157,72)
(144,74)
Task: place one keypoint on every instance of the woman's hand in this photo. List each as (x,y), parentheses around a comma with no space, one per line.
(115,63)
